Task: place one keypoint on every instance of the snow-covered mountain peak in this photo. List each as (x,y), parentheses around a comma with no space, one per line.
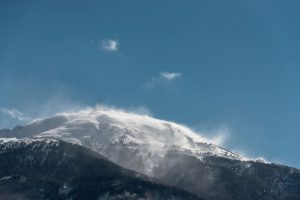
(139,126)
(124,137)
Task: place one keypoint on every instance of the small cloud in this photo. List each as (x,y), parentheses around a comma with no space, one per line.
(110,45)
(15,114)
(163,78)
(170,76)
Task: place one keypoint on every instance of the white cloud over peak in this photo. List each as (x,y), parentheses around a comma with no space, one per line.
(15,114)
(110,45)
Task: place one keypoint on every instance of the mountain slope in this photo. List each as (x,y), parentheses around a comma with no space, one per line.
(169,152)
(217,178)
(52,169)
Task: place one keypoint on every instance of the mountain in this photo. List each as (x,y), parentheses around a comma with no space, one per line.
(169,152)
(53,169)
(120,135)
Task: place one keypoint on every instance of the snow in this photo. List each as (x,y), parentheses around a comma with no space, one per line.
(112,132)
(14,143)
(5,178)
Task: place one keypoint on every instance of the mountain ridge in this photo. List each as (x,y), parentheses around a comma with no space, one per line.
(95,128)
(171,153)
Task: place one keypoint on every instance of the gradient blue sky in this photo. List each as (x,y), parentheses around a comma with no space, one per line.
(237,65)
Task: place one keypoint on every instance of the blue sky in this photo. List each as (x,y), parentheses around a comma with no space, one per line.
(211,65)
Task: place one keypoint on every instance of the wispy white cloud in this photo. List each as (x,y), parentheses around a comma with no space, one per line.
(110,45)
(15,114)
(163,78)
(170,76)
(11,117)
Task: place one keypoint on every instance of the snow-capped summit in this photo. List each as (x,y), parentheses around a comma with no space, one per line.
(135,141)
(166,151)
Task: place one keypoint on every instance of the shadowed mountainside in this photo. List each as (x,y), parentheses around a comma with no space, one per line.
(53,169)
